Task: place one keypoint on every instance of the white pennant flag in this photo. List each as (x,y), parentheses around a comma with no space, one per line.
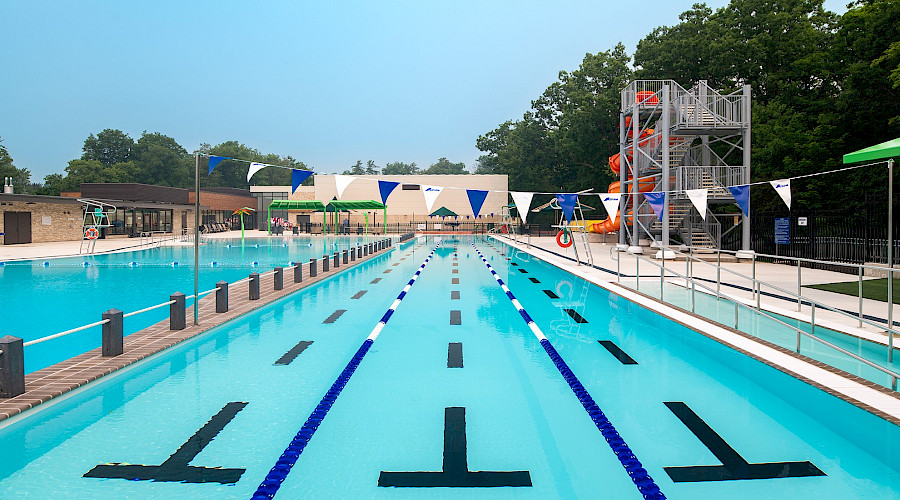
(611,203)
(341,182)
(783,188)
(254,168)
(698,197)
(431,193)
(523,203)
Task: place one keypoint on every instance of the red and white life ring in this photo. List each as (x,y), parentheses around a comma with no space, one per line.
(504,229)
(92,233)
(569,239)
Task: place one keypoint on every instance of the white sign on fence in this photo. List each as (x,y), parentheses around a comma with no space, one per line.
(801,221)
(420,226)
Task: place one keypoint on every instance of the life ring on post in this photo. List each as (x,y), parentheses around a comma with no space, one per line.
(504,229)
(92,233)
(559,238)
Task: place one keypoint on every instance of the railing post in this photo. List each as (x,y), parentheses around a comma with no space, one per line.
(753,280)
(12,366)
(860,297)
(313,268)
(799,289)
(176,311)
(222,297)
(254,286)
(112,343)
(637,272)
(298,273)
(325,263)
(812,319)
(736,315)
(718,271)
(279,278)
(345,256)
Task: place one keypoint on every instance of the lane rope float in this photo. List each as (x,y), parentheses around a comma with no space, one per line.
(641,478)
(269,486)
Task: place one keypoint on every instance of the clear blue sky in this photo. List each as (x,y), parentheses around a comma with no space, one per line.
(328,83)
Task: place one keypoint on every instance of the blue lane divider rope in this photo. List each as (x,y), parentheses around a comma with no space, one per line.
(641,478)
(269,486)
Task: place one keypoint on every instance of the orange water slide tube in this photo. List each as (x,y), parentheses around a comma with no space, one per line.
(611,224)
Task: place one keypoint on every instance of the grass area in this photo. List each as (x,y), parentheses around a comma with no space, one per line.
(872,289)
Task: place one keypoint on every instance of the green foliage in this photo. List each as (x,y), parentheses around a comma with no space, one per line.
(400,168)
(108,147)
(21,177)
(446,167)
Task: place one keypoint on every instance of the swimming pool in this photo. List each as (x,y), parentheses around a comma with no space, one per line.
(43,297)
(446,366)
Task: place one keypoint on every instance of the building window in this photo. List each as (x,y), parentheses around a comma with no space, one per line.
(410,187)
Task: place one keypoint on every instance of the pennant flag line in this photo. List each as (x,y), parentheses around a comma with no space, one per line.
(611,203)
(386,188)
(431,193)
(783,188)
(297,178)
(476,200)
(742,197)
(699,198)
(254,168)
(567,204)
(657,201)
(341,182)
(522,199)
(215,160)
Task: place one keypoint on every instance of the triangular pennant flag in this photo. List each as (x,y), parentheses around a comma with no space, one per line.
(783,188)
(476,199)
(254,168)
(567,204)
(522,199)
(386,188)
(611,203)
(742,197)
(341,182)
(215,160)
(698,197)
(431,193)
(297,178)
(657,202)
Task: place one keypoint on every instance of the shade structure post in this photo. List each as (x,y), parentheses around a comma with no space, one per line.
(269,221)
(196,238)
(890,258)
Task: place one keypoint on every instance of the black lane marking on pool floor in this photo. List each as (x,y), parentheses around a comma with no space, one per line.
(454,281)
(733,467)
(522,270)
(534,280)
(454,355)
(334,316)
(455,271)
(387,271)
(513,264)
(613,349)
(551,294)
(294,352)
(376,280)
(574,314)
(455,471)
(176,468)
(455,317)
(454,295)
(359,294)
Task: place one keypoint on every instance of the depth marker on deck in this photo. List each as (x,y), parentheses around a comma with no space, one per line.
(269,486)
(641,478)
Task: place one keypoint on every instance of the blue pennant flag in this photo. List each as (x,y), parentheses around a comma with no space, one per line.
(742,197)
(567,204)
(476,199)
(657,202)
(297,178)
(386,188)
(215,160)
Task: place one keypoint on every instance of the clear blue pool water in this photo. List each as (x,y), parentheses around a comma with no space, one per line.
(42,299)
(520,414)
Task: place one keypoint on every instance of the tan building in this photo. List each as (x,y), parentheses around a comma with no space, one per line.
(38,219)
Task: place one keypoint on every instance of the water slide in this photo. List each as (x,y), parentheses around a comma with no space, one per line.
(611,223)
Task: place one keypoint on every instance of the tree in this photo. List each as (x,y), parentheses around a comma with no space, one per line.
(87,171)
(21,177)
(356,169)
(161,161)
(232,173)
(108,147)
(444,166)
(400,168)
(371,168)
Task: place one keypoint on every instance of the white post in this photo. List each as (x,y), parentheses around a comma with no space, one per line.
(196,237)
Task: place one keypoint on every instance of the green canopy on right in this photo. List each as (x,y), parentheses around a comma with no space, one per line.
(883,151)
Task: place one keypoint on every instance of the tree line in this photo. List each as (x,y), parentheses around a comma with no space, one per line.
(154,158)
(822,85)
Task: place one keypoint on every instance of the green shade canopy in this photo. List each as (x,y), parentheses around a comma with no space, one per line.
(444,211)
(883,151)
(313,205)
(357,205)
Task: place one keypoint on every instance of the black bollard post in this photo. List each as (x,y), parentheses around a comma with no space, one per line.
(279,278)
(337,260)
(345,255)
(111,333)
(325,263)
(222,297)
(313,271)
(12,367)
(352,254)
(254,286)
(298,273)
(176,311)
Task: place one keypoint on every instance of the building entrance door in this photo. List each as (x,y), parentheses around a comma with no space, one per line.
(16,228)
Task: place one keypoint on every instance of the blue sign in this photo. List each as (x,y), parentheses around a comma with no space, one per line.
(782,231)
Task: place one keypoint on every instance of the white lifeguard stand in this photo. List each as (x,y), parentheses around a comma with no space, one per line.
(96,216)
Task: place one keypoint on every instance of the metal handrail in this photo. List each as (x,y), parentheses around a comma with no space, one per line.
(757,285)
(894,375)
